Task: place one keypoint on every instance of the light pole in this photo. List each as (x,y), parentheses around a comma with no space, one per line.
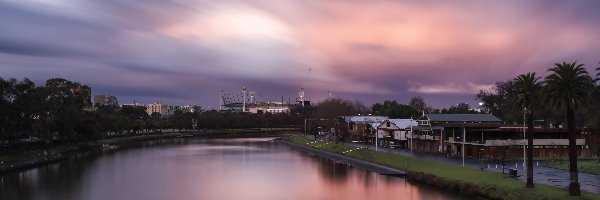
(304,126)
(411,135)
(376,136)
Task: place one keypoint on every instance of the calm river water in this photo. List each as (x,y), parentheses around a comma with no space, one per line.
(186,169)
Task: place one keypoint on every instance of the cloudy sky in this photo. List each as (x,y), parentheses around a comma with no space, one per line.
(186,51)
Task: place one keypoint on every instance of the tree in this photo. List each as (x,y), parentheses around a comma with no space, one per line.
(180,121)
(567,88)
(393,109)
(598,121)
(460,108)
(526,92)
(418,103)
(5,87)
(495,101)
(327,112)
(597,76)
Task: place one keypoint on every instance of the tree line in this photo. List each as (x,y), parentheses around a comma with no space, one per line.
(58,112)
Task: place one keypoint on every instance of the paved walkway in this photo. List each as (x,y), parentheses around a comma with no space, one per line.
(543,175)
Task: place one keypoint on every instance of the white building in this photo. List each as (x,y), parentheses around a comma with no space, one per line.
(395,131)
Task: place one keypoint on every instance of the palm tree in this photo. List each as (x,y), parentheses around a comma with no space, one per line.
(567,87)
(526,92)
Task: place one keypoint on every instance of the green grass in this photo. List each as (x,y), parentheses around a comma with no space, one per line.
(491,183)
(590,167)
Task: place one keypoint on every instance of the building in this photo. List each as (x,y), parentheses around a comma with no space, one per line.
(269,107)
(162,110)
(547,142)
(454,134)
(395,132)
(105,100)
(358,126)
(484,136)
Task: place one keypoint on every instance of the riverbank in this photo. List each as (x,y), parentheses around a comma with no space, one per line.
(469,182)
(248,133)
(380,169)
(24,160)
(15,161)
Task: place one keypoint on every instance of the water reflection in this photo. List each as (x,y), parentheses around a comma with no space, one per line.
(206,169)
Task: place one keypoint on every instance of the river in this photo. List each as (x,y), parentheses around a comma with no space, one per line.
(194,168)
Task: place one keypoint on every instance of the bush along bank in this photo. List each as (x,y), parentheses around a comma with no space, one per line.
(42,156)
(466,181)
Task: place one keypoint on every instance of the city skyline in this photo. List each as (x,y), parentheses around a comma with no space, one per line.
(188,51)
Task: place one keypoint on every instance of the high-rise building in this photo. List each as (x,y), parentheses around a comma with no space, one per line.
(161,110)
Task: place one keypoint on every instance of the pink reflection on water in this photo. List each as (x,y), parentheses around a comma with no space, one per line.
(209,169)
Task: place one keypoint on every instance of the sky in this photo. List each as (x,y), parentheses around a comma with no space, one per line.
(187,51)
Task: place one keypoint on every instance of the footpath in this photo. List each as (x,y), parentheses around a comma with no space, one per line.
(542,175)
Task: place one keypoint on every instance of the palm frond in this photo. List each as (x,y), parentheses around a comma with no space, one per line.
(568,84)
(526,90)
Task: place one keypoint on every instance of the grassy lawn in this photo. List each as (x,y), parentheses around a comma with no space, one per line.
(491,183)
(590,167)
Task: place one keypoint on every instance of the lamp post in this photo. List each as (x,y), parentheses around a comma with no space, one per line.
(376,136)
(411,135)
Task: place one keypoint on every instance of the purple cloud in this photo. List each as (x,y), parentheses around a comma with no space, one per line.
(187,51)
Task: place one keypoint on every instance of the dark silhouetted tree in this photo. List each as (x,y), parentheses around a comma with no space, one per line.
(567,88)
(526,93)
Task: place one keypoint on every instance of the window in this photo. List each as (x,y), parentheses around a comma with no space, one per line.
(387,124)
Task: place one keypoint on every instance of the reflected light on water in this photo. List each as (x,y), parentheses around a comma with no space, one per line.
(254,169)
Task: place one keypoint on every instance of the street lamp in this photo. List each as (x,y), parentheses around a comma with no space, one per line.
(376,136)
(412,135)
